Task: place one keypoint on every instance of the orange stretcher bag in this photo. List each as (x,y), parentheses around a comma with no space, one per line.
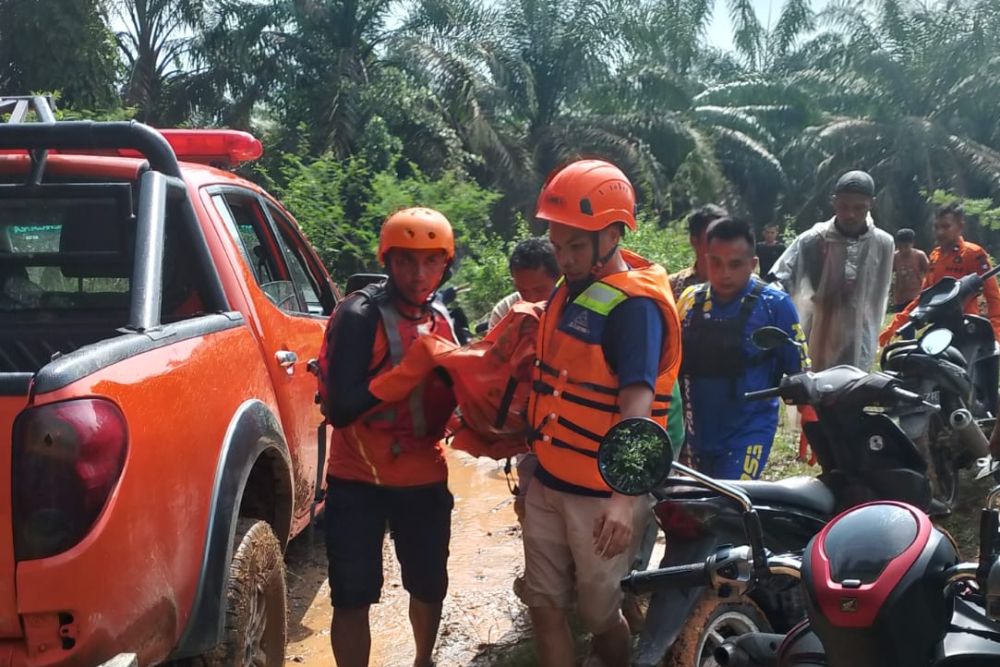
(492,382)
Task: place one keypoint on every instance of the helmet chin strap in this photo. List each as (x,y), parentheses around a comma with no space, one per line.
(600,260)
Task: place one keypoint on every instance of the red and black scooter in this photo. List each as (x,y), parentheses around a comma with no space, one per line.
(883,586)
(863,456)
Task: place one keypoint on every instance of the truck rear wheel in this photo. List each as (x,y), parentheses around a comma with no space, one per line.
(254,632)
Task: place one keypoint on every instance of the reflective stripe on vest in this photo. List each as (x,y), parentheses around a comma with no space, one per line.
(600,298)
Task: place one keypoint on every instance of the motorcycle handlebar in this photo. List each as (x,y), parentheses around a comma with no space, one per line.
(680,576)
(763,394)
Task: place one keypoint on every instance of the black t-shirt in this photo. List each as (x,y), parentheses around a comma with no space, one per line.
(767,255)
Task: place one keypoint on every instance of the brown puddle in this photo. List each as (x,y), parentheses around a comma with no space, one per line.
(481,613)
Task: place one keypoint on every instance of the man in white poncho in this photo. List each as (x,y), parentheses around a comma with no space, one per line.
(838,275)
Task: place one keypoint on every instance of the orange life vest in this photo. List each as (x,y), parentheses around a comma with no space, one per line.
(398,444)
(574,399)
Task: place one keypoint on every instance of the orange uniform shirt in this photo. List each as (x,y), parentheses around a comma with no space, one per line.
(956,261)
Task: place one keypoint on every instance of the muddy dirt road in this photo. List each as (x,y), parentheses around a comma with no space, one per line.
(483,619)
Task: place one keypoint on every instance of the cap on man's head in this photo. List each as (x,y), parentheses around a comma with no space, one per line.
(856,181)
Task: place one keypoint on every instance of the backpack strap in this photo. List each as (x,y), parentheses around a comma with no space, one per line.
(390,318)
(700,297)
(749,303)
(746,309)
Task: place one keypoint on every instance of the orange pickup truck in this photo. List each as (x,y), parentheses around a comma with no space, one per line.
(158,429)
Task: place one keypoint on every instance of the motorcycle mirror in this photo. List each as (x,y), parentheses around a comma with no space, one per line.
(935,342)
(635,456)
(770,338)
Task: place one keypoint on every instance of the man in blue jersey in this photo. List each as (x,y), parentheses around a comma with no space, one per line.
(730,437)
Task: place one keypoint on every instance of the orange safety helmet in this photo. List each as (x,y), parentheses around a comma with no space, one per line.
(416,229)
(589,195)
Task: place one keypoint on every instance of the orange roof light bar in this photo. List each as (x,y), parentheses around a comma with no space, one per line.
(225,148)
(228,147)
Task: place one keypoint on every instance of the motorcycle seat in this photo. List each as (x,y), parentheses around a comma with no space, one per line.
(807,493)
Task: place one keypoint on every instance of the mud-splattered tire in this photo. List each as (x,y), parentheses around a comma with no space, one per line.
(254,632)
(712,621)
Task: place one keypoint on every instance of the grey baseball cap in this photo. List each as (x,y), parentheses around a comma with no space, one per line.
(856,181)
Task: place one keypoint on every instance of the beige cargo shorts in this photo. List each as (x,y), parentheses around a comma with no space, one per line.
(561,563)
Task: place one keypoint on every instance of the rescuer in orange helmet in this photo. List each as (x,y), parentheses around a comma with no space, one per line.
(608,349)
(386,464)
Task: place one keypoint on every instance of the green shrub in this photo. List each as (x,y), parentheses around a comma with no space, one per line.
(667,246)
(341,204)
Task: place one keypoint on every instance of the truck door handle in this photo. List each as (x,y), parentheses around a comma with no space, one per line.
(286,358)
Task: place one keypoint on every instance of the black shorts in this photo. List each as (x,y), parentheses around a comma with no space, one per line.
(419,521)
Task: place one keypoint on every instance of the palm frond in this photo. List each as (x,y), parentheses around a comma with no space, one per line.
(733,119)
(747,30)
(797,18)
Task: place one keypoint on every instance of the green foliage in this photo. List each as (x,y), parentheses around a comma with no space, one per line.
(340,205)
(463,202)
(483,270)
(982,211)
(65,46)
(668,246)
(466,97)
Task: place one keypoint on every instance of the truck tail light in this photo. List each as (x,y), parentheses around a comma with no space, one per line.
(67,459)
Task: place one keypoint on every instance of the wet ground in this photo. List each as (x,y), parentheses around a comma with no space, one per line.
(483,621)
(484,624)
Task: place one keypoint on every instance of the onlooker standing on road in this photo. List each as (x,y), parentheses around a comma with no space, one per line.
(909,265)
(769,250)
(838,275)
(534,270)
(697,273)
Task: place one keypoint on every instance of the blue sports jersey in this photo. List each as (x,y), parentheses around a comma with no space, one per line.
(718,420)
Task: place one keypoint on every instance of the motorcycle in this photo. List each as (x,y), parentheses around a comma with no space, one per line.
(942,306)
(962,372)
(863,456)
(950,439)
(883,587)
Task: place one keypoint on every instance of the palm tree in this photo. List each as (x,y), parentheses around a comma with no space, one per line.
(318,73)
(509,75)
(532,83)
(155,46)
(905,89)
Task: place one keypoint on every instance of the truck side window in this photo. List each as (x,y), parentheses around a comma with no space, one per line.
(302,273)
(248,226)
